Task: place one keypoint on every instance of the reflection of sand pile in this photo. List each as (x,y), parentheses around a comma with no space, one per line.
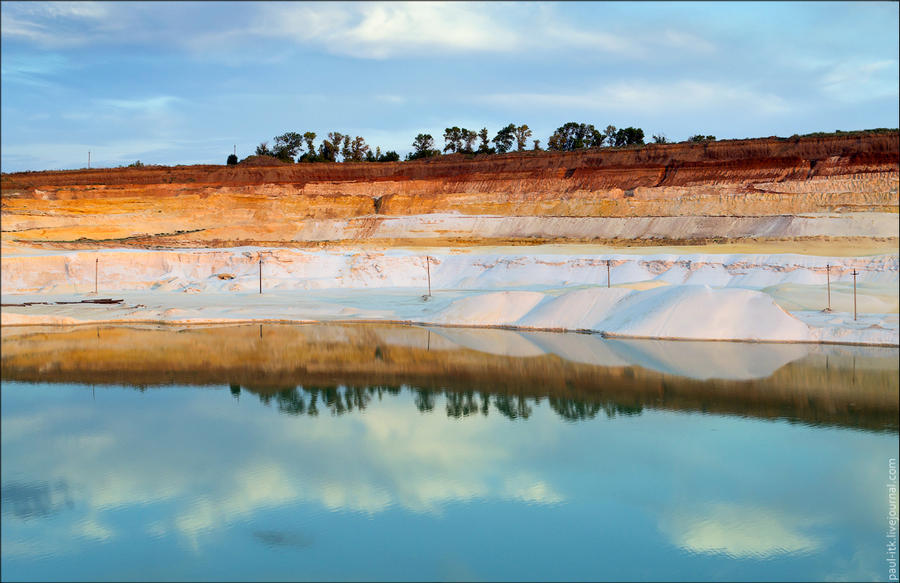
(843,385)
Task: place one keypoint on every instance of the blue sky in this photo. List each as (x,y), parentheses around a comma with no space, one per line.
(182,82)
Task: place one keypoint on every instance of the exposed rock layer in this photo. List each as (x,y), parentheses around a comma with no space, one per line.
(220,206)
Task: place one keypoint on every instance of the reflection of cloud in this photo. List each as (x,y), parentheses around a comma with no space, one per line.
(740,532)
(532,491)
(92,529)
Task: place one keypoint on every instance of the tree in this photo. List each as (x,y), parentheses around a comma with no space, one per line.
(537,146)
(327,151)
(310,137)
(287,145)
(522,134)
(485,147)
(660,139)
(453,139)
(468,139)
(423,146)
(389,156)
(575,136)
(610,134)
(263,149)
(702,138)
(357,149)
(629,136)
(232,160)
(504,138)
(346,153)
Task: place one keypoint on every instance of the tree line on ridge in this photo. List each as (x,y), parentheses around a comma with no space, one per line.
(337,147)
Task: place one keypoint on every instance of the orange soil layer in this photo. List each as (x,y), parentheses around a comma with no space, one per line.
(220,205)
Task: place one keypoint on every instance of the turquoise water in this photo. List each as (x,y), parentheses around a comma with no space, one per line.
(178,482)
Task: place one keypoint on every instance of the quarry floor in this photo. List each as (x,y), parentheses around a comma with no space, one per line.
(749,291)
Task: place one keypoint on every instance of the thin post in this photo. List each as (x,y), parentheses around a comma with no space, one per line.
(260,272)
(607,273)
(428,272)
(855,273)
(828,279)
(89,159)
(235,149)
(96,269)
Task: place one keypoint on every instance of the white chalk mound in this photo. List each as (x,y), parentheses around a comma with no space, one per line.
(703,313)
(686,312)
(490,309)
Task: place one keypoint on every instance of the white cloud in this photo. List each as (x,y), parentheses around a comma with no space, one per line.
(54,23)
(148,104)
(648,97)
(384,30)
(850,82)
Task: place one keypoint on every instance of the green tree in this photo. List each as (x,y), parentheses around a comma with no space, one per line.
(660,139)
(287,145)
(575,136)
(389,156)
(629,136)
(610,134)
(232,160)
(468,139)
(310,137)
(537,146)
(423,147)
(453,139)
(485,147)
(522,134)
(263,149)
(357,149)
(702,138)
(503,141)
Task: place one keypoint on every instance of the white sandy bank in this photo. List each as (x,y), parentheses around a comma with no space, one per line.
(756,297)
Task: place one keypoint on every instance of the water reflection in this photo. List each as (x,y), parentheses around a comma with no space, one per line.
(35,499)
(305,444)
(339,368)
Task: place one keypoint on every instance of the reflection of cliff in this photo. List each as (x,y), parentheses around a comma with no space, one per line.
(217,205)
(830,385)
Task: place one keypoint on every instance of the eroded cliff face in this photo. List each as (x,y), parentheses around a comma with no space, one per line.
(303,203)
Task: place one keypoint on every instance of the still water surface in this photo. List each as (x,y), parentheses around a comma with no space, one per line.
(390,452)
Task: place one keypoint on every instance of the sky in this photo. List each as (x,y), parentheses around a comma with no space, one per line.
(186,82)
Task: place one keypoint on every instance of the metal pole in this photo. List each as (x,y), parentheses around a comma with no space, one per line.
(260,272)
(855,273)
(89,159)
(607,273)
(828,276)
(428,272)
(96,269)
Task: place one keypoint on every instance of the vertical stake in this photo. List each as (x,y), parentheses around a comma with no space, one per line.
(428,272)
(89,159)
(260,272)
(96,269)
(828,279)
(855,273)
(607,273)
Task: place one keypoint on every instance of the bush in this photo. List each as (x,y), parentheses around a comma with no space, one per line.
(232,160)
